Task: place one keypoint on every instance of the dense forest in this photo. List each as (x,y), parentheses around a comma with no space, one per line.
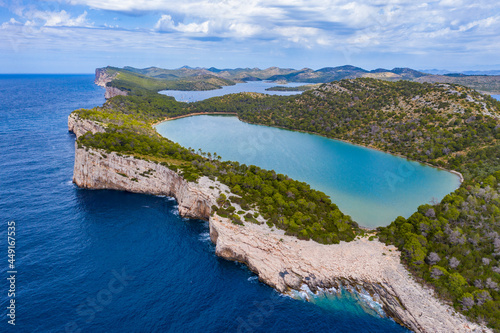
(453,245)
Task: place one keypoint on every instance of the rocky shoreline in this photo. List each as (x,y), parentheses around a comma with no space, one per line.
(102,78)
(281,261)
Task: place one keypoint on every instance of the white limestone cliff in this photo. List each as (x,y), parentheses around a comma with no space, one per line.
(280,261)
(102,78)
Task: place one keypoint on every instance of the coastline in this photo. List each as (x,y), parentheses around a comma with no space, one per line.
(283,262)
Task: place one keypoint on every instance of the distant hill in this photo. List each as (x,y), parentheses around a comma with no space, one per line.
(483,83)
(444,72)
(188,78)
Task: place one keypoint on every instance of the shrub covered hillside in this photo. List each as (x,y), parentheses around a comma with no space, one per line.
(131,81)
(454,245)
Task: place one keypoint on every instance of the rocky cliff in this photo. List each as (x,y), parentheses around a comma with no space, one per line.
(81,126)
(95,169)
(287,263)
(280,261)
(102,78)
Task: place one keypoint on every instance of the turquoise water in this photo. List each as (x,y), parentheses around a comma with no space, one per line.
(252,86)
(371,186)
(496,97)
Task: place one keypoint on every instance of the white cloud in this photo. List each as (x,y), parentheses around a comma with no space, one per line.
(302,35)
(484,23)
(348,26)
(245,30)
(10,22)
(167,24)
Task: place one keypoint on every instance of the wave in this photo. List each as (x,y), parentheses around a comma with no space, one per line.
(204,237)
(332,297)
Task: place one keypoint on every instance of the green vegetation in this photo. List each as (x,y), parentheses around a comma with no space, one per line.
(285,203)
(487,83)
(423,122)
(134,82)
(185,78)
(453,245)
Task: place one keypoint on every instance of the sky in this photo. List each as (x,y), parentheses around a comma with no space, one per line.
(77,36)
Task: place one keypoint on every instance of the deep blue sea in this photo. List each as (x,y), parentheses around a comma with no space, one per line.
(109,261)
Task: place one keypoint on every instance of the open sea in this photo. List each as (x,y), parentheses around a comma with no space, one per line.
(109,261)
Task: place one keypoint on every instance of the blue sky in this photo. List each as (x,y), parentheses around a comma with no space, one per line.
(76,36)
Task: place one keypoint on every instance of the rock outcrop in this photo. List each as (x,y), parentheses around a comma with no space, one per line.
(280,261)
(81,126)
(287,263)
(94,169)
(102,78)
(112,92)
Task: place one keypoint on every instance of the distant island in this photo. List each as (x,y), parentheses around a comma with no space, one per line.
(278,226)
(186,78)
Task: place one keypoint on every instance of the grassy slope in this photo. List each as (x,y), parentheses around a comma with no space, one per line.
(204,79)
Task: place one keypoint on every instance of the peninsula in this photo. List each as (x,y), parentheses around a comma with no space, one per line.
(293,236)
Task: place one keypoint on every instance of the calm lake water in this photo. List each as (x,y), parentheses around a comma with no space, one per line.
(371,186)
(72,243)
(252,86)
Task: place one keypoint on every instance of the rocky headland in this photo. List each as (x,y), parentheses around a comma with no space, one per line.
(102,78)
(281,261)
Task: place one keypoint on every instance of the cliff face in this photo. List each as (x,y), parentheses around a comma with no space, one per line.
(287,263)
(102,78)
(112,92)
(82,126)
(280,261)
